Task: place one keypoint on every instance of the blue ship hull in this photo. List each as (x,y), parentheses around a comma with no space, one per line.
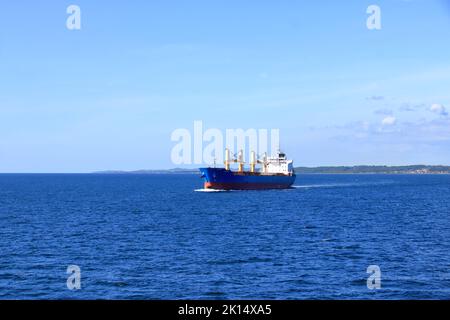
(221,179)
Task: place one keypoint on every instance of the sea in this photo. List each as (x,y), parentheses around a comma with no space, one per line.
(161,236)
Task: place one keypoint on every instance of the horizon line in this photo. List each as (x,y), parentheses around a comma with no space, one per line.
(196,168)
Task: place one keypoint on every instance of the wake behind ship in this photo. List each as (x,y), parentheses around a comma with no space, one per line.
(275,173)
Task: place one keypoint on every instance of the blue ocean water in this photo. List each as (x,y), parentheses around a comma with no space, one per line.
(159,237)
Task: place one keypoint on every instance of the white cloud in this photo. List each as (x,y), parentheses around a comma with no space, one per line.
(438,108)
(389,121)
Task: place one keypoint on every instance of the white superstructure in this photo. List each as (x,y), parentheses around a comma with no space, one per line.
(277,165)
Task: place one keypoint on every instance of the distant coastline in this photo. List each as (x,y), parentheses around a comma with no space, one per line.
(411,169)
(362,169)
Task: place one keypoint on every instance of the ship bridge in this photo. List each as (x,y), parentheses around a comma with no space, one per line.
(278,165)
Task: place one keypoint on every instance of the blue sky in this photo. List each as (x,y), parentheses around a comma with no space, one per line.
(108,96)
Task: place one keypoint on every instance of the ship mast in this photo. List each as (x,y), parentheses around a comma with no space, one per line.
(227,159)
(252,161)
(239,159)
(263,162)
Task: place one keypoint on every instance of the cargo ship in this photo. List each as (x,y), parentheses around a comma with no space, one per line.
(275,172)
